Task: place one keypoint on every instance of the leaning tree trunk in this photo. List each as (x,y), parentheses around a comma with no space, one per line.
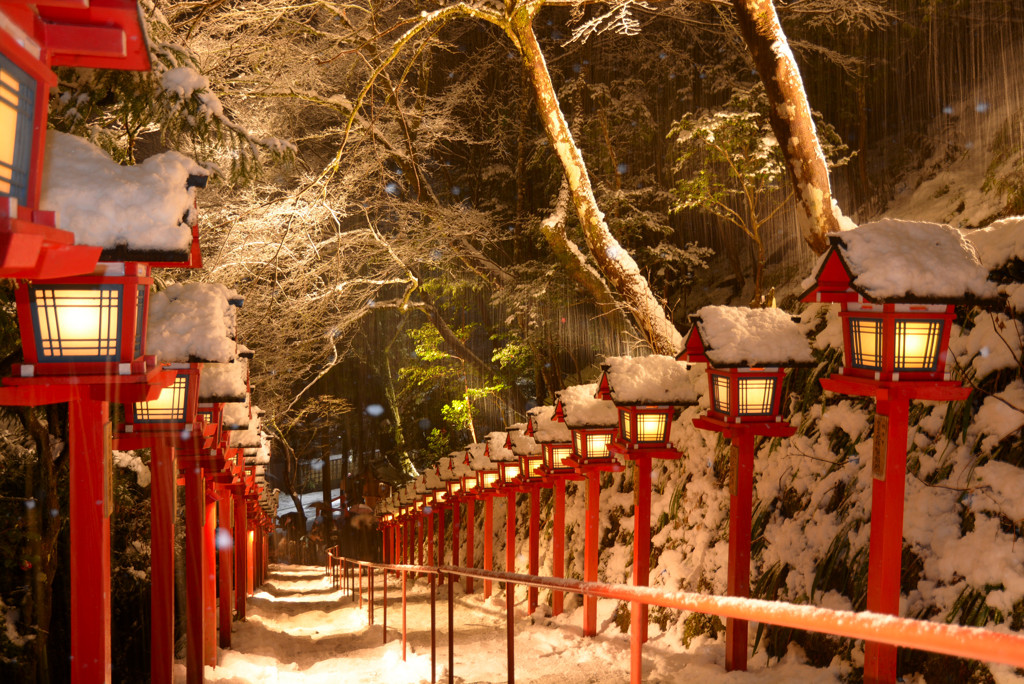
(617,266)
(790,116)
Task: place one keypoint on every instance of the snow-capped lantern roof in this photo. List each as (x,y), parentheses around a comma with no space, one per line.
(546,428)
(900,261)
(453,466)
(649,380)
(222,382)
(476,456)
(192,322)
(432,478)
(1000,248)
(496,442)
(134,213)
(582,408)
(732,337)
(249,438)
(518,443)
(236,415)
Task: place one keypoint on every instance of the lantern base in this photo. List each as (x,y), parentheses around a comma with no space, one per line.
(635,453)
(592,466)
(926,390)
(730,430)
(143,385)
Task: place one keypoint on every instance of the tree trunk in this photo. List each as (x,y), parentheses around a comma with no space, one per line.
(790,116)
(617,266)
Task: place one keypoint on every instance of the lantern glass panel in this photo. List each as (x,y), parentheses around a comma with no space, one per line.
(455,488)
(17,110)
(866,343)
(558,456)
(168,407)
(720,393)
(77,324)
(511,472)
(577,441)
(650,427)
(597,446)
(489,479)
(532,464)
(470,482)
(917,345)
(626,425)
(756,396)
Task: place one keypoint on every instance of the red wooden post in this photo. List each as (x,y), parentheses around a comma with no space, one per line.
(534,545)
(591,530)
(224,548)
(241,535)
(194,560)
(510,532)
(210,584)
(470,524)
(440,536)
(419,538)
(455,532)
(741,495)
(161,657)
(430,539)
(249,541)
(642,542)
(404,602)
(88,429)
(558,543)
(886,547)
(510,631)
(488,541)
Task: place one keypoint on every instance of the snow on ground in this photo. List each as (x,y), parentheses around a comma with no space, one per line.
(299,630)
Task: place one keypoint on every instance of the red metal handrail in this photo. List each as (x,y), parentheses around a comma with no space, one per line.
(965,642)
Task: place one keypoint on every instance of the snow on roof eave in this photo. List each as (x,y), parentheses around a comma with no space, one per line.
(833,291)
(697,349)
(690,400)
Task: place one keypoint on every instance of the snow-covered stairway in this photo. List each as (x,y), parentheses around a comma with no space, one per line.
(301,631)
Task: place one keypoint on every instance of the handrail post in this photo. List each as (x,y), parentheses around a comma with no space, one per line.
(385,607)
(369,575)
(403,614)
(359,569)
(510,622)
(451,628)
(433,633)
(488,542)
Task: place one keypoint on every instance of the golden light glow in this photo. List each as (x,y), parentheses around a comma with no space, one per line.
(511,472)
(866,343)
(597,446)
(559,454)
(756,396)
(77,323)
(456,487)
(10,96)
(532,463)
(577,441)
(489,479)
(720,393)
(169,406)
(650,427)
(625,420)
(917,344)
(439,497)
(470,481)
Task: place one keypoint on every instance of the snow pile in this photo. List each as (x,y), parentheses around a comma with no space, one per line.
(740,336)
(1000,416)
(222,382)
(130,460)
(892,259)
(1000,243)
(547,430)
(236,415)
(522,444)
(1002,485)
(453,466)
(185,82)
(994,343)
(192,322)
(477,456)
(652,379)
(495,444)
(582,409)
(109,206)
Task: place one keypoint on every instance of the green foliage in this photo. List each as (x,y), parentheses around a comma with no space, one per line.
(458,413)
(439,443)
